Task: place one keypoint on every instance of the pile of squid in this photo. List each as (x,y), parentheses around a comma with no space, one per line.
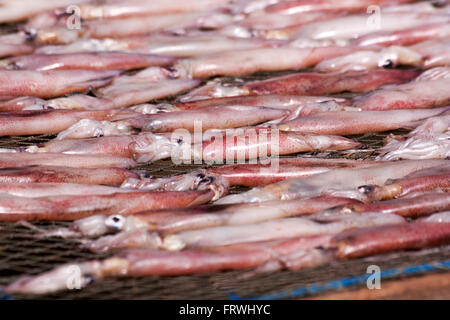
(97,77)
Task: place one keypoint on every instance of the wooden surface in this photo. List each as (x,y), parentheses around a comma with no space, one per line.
(434,286)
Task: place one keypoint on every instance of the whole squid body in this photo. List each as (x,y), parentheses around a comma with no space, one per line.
(65,207)
(85,61)
(354,26)
(212,146)
(314,225)
(239,145)
(273,25)
(48,189)
(429,90)
(234,63)
(359,122)
(223,117)
(405,37)
(198,45)
(120,9)
(311,103)
(48,84)
(23,159)
(337,182)
(249,174)
(306,83)
(146,85)
(98,176)
(120,146)
(200,217)
(328,83)
(294,254)
(299,6)
(430,140)
(300,106)
(165,45)
(129,26)
(46,121)
(115,96)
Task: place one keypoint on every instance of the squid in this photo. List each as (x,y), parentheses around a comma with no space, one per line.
(384,239)
(165,45)
(414,207)
(429,90)
(170,221)
(435,52)
(16,10)
(368,60)
(223,117)
(359,122)
(9,49)
(427,179)
(249,174)
(310,104)
(110,145)
(252,144)
(121,9)
(98,176)
(72,207)
(235,63)
(305,83)
(354,26)
(88,128)
(85,61)
(430,140)
(23,159)
(46,121)
(128,27)
(141,25)
(319,84)
(299,6)
(338,182)
(234,234)
(293,254)
(49,189)
(408,36)
(49,84)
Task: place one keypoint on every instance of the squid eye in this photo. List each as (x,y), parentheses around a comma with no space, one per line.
(388,64)
(146,174)
(116,222)
(30,35)
(366,189)
(438,3)
(201,175)
(207,180)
